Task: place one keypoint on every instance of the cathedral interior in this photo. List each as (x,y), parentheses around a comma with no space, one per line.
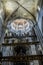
(21,32)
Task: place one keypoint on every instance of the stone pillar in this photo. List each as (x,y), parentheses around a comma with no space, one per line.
(36,62)
(33,49)
(31,63)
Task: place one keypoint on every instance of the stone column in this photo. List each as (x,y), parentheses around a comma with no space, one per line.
(33,49)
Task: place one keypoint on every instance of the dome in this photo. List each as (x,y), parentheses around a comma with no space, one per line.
(20,26)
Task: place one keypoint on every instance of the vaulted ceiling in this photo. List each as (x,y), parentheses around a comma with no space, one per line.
(30,5)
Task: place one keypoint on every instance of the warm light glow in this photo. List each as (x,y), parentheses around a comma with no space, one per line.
(10,6)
